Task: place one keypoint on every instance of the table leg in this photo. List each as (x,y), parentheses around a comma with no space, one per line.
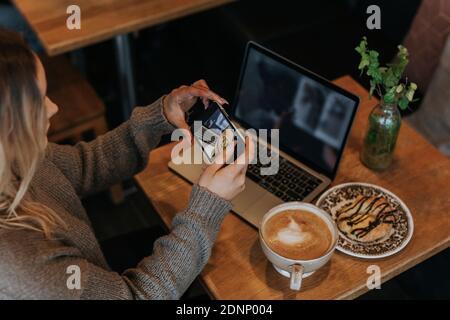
(126,74)
(78,59)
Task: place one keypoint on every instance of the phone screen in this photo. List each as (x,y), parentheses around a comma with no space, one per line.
(209,128)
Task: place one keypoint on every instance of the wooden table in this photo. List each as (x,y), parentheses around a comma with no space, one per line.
(102,20)
(419,175)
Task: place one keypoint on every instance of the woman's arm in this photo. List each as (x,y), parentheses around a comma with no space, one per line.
(38,268)
(114,156)
(122,152)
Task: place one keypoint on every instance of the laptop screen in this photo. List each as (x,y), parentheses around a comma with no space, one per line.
(313,115)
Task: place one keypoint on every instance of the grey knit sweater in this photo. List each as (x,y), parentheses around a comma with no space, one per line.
(32,267)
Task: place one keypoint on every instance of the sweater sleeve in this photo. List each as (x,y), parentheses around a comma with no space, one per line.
(114,156)
(42,269)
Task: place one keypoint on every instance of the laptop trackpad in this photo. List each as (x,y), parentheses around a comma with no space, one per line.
(260,207)
(247,198)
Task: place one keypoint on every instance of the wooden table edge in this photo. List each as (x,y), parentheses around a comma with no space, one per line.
(107,34)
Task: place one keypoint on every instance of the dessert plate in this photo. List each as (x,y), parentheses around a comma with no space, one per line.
(372,222)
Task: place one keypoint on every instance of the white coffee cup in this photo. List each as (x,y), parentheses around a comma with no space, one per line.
(296,270)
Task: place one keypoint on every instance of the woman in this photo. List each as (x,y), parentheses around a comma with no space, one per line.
(45,234)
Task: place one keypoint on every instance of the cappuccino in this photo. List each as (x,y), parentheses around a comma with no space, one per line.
(297,235)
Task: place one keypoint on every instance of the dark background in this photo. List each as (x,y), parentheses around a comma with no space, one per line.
(320,35)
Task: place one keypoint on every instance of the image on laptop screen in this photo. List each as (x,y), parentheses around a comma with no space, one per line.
(313,118)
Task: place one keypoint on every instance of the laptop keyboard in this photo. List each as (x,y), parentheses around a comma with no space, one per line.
(291,183)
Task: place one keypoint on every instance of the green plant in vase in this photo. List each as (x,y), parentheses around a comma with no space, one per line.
(394,92)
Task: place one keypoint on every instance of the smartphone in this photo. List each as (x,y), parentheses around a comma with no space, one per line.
(209,124)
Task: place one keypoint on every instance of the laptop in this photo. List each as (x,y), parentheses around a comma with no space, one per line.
(313,117)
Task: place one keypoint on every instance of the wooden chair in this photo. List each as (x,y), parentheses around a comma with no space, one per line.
(81,111)
(426,41)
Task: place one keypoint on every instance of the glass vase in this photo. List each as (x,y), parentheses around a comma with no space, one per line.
(381,136)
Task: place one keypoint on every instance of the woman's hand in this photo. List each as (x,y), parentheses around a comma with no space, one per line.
(183,98)
(227,181)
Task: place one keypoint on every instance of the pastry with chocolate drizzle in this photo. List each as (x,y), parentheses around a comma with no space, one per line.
(366,219)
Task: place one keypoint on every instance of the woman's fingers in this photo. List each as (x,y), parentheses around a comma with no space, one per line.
(202,84)
(238,167)
(246,157)
(189,92)
(224,154)
(232,176)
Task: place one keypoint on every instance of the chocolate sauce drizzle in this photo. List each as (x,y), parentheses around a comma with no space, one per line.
(383,215)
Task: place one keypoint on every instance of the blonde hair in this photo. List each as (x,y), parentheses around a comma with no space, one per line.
(23,127)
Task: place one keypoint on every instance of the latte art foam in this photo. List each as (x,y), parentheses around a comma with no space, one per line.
(292,234)
(297,235)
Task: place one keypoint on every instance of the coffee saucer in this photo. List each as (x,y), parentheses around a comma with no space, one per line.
(372,221)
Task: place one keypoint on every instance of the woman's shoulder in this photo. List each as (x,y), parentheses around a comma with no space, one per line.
(23,249)
(18,244)
(29,266)
(19,255)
